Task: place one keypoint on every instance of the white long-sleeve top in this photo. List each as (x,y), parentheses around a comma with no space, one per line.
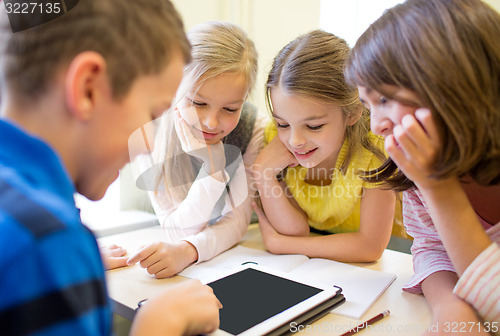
(189,220)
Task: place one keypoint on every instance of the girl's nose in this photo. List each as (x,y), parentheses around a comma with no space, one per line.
(380,124)
(210,120)
(296,139)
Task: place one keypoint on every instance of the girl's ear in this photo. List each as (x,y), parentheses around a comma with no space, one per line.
(354,117)
(84,82)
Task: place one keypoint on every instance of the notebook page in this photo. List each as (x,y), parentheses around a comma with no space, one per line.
(360,286)
(240,255)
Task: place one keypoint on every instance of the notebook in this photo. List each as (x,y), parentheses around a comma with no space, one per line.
(360,286)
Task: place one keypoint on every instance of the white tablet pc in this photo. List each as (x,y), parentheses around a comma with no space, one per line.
(258,301)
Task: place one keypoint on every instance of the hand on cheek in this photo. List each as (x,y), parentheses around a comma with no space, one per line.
(414,146)
(274,158)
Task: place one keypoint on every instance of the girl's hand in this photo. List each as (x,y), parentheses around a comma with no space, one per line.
(212,155)
(163,259)
(274,158)
(414,146)
(113,256)
(271,238)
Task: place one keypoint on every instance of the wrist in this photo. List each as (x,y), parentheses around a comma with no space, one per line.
(441,186)
(265,175)
(152,319)
(189,251)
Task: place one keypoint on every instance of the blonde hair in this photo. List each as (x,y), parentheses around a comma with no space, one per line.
(448,53)
(31,58)
(312,65)
(217,48)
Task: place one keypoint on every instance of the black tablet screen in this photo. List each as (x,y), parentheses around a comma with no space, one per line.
(252,296)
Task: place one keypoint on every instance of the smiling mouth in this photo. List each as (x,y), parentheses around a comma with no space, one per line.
(305,153)
(208,135)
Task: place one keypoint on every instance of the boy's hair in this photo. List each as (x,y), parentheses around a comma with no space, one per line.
(448,53)
(312,65)
(217,48)
(135,38)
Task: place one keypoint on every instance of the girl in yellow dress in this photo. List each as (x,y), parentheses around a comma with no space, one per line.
(310,173)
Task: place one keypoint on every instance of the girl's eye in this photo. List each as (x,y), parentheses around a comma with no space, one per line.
(281,125)
(383,100)
(314,128)
(231,110)
(195,103)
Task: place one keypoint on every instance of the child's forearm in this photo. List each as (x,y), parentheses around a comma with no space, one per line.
(344,247)
(282,215)
(191,215)
(479,285)
(448,310)
(456,222)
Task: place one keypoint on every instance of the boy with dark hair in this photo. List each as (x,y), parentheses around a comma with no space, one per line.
(73,89)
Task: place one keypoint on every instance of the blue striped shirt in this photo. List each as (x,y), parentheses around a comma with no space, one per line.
(52,280)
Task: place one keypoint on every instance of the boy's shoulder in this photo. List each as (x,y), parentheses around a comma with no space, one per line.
(48,260)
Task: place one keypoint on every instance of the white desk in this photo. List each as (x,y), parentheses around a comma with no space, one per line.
(410,313)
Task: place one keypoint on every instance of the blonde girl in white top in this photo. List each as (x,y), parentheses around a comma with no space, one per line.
(205,144)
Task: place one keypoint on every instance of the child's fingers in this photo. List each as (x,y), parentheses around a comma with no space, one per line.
(183,131)
(416,142)
(188,140)
(394,151)
(424,116)
(413,129)
(178,130)
(116,262)
(177,113)
(141,254)
(422,131)
(117,251)
(404,141)
(260,214)
(160,270)
(258,211)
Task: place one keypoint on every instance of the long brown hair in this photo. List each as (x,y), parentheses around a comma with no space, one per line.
(448,53)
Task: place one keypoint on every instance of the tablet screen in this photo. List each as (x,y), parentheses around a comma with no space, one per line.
(251,296)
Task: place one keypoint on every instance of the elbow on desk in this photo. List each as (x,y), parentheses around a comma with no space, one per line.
(361,252)
(369,253)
